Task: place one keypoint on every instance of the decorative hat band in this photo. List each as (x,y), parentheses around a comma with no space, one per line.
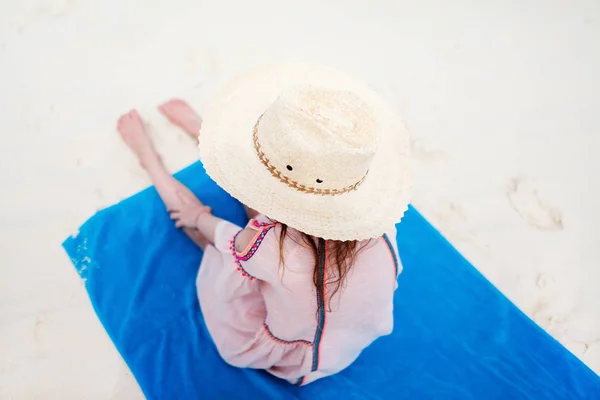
(292,183)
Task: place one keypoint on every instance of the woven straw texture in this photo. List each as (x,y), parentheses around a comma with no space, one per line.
(312,148)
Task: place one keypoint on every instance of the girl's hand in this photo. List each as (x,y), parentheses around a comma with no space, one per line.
(187,214)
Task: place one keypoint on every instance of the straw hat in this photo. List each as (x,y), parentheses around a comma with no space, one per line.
(312,148)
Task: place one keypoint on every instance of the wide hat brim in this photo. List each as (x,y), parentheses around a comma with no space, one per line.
(228,155)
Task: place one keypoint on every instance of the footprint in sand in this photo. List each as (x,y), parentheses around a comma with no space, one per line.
(524,199)
(39,332)
(424,152)
(582,330)
(55,8)
(545,280)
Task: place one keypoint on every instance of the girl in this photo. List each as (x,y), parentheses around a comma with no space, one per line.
(309,282)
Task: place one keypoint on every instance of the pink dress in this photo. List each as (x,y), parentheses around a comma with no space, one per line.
(265,316)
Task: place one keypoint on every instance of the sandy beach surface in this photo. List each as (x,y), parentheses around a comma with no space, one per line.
(502,99)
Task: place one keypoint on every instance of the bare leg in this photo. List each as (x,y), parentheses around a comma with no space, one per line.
(132,130)
(182,115)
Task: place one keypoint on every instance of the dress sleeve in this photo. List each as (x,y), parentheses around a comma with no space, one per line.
(232,303)
(224,233)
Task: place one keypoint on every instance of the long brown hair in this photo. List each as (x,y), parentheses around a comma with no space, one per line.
(341,256)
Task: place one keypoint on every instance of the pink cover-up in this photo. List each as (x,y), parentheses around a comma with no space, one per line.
(266,316)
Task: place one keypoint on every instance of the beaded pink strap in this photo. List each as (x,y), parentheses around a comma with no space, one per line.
(263,230)
(236,258)
(261,225)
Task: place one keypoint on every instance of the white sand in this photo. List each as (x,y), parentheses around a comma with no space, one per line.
(502,98)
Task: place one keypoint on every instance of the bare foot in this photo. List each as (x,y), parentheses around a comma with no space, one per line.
(133,132)
(181,114)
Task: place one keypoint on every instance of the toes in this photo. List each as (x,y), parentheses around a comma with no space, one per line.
(122,119)
(128,119)
(125,117)
(165,106)
(172,106)
(134,116)
(121,122)
(174,103)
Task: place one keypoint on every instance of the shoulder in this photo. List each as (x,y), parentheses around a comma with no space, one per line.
(245,238)
(250,238)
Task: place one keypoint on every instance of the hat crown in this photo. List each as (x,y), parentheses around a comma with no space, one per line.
(318,140)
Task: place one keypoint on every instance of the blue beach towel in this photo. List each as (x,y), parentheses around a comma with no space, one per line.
(456,336)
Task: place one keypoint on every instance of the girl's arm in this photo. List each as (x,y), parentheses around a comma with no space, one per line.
(193,214)
(206,224)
